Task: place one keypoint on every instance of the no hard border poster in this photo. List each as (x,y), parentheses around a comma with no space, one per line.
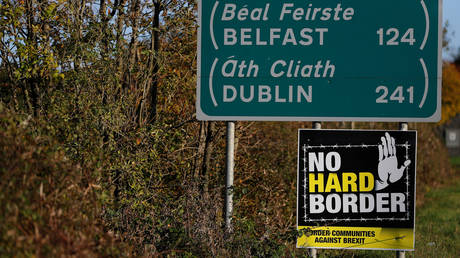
(356,189)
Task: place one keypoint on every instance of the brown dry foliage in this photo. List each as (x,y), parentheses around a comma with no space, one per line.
(49,205)
(450,92)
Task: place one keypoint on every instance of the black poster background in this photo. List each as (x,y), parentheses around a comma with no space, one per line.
(359,153)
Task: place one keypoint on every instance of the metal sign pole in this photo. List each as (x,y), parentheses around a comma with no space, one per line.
(400,254)
(403,126)
(229,175)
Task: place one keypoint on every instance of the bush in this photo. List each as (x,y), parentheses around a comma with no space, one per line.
(50,206)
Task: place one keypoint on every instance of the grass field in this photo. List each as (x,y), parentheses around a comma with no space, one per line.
(455,162)
(438,224)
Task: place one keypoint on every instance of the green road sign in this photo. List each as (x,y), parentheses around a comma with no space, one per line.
(322,60)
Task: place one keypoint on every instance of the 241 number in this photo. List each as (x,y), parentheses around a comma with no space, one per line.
(396,96)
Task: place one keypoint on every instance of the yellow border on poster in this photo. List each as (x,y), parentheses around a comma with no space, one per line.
(356,238)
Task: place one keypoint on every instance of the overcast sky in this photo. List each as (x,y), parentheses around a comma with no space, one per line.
(451,13)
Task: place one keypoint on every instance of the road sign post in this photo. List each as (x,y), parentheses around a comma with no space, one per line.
(229,175)
(319,60)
